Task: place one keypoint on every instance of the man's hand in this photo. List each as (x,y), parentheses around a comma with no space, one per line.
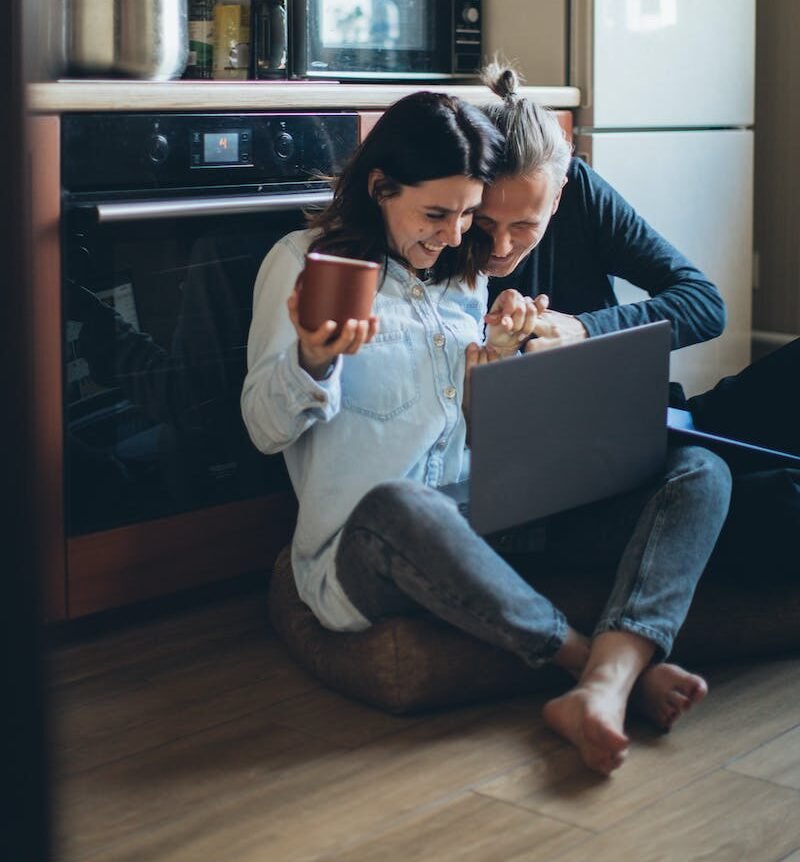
(511,319)
(554,329)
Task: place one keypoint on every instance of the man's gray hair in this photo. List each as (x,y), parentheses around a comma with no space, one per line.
(534,140)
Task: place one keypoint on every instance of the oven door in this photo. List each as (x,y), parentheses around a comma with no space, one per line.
(157,306)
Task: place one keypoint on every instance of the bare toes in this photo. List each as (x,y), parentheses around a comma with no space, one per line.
(678,701)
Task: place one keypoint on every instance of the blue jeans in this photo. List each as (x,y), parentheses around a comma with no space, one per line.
(406,546)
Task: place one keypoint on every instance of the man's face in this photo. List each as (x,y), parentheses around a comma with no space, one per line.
(515,212)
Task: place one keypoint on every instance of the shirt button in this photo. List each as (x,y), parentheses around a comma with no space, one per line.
(416,292)
(438,339)
(318,396)
(449,391)
(442,444)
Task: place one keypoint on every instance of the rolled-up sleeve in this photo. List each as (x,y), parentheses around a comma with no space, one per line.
(629,247)
(279,399)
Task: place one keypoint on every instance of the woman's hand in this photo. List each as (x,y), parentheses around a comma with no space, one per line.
(512,320)
(475,355)
(319,349)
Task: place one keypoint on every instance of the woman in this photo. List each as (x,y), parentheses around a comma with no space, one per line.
(371,424)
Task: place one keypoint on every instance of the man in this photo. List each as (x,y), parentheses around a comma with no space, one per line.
(561,234)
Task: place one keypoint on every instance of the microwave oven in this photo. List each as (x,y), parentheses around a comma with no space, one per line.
(368,40)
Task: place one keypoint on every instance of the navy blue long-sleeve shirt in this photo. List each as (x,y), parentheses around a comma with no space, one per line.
(596,235)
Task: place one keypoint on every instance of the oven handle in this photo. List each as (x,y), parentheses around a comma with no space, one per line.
(182,208)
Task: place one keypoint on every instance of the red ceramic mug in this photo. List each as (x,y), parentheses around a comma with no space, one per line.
(335,288)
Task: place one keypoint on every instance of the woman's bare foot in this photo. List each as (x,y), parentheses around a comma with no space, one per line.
(591,718)
(592,715)
(664,692)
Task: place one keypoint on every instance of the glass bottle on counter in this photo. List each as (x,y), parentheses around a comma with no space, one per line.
(231,39)
(201,39)
(270,39)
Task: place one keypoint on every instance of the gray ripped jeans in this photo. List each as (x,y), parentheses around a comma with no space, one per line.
(406,546)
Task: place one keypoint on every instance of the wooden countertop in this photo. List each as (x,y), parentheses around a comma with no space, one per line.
(104,95)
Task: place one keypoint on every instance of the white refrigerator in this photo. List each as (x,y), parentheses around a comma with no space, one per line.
(667,108)
(666,116)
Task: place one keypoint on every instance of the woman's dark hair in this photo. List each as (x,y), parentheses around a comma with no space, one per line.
(424,136)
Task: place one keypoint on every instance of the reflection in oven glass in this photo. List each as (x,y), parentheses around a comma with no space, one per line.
(154,369)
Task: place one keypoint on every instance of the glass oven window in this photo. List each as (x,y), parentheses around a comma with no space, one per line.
(156,322)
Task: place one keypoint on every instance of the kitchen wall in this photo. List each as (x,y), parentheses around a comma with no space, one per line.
(532,34)
(776,301)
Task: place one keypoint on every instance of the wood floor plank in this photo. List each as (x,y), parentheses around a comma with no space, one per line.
(469,828)
(745,708)
(141,807)
(166,723)
(323,714)
(172,634)
(194,737)
(777,760)
(724,817)
(151,705)
(218,795)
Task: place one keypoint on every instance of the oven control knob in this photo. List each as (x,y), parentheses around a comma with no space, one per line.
(158,149)
(284,146)
(471,14)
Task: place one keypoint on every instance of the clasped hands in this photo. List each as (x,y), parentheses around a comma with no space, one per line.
(515,320)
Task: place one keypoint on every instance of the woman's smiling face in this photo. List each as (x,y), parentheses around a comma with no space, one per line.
(422,220)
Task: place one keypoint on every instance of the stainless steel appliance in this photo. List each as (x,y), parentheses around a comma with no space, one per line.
(166,219)
(385,40)
(137,38)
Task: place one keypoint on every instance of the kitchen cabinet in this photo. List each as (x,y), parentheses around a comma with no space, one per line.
(43,158)
(95,571)
(59,97)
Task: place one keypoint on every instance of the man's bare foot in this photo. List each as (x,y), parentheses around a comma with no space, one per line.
(664,692)
(591,718)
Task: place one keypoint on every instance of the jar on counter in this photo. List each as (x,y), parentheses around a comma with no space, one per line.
(231,39)
(201,39)
(269,52)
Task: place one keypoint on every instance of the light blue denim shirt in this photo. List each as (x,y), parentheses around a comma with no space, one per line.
(390,411)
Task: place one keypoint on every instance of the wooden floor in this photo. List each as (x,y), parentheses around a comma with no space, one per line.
(193,737)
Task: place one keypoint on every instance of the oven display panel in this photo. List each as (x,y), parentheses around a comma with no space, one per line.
(221,148)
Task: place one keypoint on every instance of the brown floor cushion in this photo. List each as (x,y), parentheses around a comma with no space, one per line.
(406,664)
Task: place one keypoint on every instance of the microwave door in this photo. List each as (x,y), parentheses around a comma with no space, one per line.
(373,39)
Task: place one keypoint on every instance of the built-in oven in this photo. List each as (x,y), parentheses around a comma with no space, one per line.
(166,219)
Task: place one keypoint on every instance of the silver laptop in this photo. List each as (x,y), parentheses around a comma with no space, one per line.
(560,428)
